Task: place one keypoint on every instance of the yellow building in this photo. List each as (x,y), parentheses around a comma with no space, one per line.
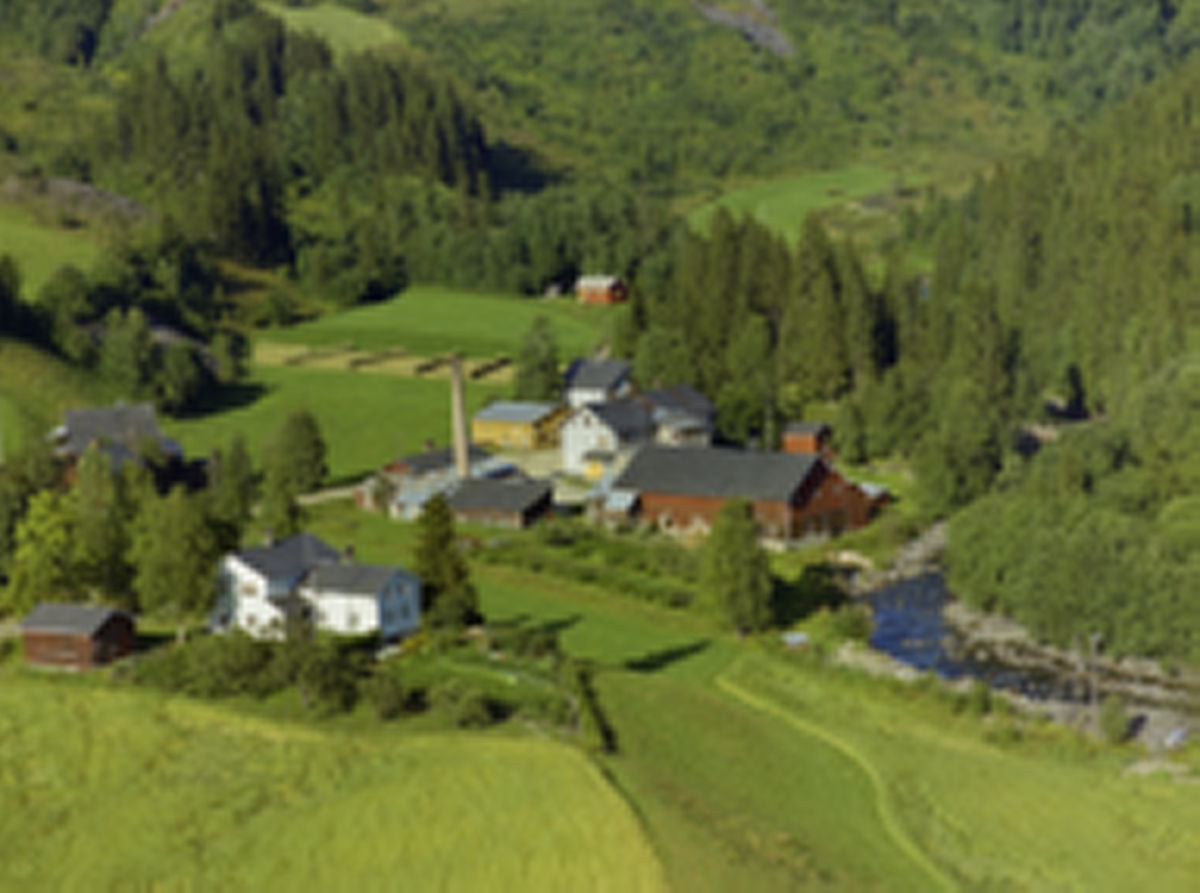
(510,424)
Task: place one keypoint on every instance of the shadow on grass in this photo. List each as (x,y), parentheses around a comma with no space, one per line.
(558,626)
(145,642)
(660,660)
(815,588)
(230,397)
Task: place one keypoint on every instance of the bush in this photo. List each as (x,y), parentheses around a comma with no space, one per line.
(979,699)
(465,705)
(393,696)
(1114,723)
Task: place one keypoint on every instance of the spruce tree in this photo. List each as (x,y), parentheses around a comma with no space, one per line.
(449,597)
(538,376)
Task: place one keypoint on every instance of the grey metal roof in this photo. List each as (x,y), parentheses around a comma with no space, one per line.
(605,374)
(113,426)
(67,618)
(357,579)
(717,473)
(629,418)
(290,557)
(681,398)
(515,411)
(808,428)
(513,495)
(440,460)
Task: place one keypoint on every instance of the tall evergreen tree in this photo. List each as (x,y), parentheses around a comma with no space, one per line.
(735,571)
(450,599)
(538,376)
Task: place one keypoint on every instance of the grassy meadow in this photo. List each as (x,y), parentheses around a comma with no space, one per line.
(147,792)
(782,205)
(41,249)
(36,388)
(346,31)
(428,320)
(366,419)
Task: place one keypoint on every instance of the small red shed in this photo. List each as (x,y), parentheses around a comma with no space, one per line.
(601,290)
(77,637)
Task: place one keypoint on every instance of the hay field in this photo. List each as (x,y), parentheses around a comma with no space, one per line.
(106,789)
(40,249)
(428,320)
(365,419)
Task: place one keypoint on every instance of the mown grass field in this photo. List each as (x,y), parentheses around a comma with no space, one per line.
(346,31)
(366,419)
(40,249)
(104,789)
(427,320)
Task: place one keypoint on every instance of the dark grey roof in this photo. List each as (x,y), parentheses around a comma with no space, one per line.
(808,428)
(441,460)
(127,426)
(66,618)
(359,579)
(499,495)
(629,418)
(290,557)
(606,374)
(681,398)
(717,473)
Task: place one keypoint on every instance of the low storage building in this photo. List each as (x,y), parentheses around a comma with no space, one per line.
(513,503)
(76,637)
(604,290)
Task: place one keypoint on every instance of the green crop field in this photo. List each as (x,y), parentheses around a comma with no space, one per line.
(104,789)
(783,204)
(346,30)
(40,250)
(427,320)
(366,419)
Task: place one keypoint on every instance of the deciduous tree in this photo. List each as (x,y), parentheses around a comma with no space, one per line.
(735,573)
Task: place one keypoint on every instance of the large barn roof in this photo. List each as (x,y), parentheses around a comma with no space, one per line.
(499,495)
(717,473)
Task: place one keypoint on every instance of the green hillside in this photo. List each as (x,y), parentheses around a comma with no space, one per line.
(153,792)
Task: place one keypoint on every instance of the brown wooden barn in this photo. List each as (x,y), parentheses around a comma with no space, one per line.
(793,495)
(808,437)
(601,290)
(77,637)
(514,502)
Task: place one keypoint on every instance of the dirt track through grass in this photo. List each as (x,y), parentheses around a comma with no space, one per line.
(883,803)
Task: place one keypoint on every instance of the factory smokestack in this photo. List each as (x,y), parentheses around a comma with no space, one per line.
(458,418)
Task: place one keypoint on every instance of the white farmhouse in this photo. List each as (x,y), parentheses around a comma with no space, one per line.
(594,435)
(259,587)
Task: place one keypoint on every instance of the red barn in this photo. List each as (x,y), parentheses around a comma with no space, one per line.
(77,637)
(793,495)
(601,290)
(808,437)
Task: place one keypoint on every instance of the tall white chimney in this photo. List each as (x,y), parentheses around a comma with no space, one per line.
(458,418)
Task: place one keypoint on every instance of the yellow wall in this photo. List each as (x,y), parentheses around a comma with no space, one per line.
(520,435)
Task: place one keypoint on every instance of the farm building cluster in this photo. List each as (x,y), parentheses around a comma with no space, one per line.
(626,456)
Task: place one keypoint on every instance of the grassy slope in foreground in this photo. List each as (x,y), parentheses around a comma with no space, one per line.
(40,250)
(107,789)
(427,320)
(366,419)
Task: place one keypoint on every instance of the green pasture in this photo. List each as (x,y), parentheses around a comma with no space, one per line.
(782,205)
(104,789)
(428,320)
(41,249)
(36,388)
(346,31)
(1028,816)
(366,419)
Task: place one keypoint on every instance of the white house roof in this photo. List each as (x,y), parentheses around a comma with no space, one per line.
(604,374)
(515,411)
(354,579)
(290,557)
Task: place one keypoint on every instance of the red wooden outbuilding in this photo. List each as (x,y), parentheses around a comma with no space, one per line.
(76,637)
(601,290)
